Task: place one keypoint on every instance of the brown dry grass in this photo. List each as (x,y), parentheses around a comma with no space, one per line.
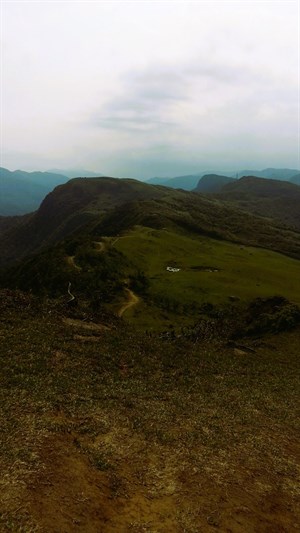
(135,434)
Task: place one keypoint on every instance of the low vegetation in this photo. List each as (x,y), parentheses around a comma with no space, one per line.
(107,207)
(106,429)
(270,198)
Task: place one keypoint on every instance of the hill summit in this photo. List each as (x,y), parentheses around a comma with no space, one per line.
(272,198)
(210,183)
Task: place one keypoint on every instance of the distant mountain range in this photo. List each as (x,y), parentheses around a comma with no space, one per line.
(283,174)
(22,192)
(75,172)
(191,182)
(187,183)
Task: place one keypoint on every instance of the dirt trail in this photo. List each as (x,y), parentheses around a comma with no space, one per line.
(71,262)
(132,300)
(100,246)
(85,325)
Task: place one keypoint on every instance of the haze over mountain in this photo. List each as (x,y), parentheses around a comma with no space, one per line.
(187,183)
(75,172)
(283,174)
(191,94)
(190,182)
(295,179)
(212,183)
(22,192)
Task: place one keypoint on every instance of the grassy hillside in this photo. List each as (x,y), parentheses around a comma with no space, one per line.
(7,223)
(105,429)
(104,271)
(211,272)
(107,206)
(149,367)
(69,208)
(194,214)
(265,197)
(114,253)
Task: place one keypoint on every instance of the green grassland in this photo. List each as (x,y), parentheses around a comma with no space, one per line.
(104,271)
(210,271)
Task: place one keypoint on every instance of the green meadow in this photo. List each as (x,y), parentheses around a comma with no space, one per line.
(211,271)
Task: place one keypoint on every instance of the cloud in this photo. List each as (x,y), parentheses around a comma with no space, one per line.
(161,97)
(202,80)
(200,111)
(146,100)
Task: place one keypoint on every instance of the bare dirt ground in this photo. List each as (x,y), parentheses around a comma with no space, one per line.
(151,491)
(132,300)
(71,262)
(100,246)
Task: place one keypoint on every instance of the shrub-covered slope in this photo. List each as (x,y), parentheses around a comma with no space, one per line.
(271,198)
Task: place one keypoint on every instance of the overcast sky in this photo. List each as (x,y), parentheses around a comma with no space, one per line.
(150,88)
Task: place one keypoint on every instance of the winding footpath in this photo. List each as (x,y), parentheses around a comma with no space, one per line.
(132,300)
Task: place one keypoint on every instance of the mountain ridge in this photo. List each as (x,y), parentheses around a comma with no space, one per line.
(110,205)
(210,183)
(189,182)
(265,197)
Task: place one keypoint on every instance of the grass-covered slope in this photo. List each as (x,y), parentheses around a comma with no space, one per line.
(271,198)
(108,206)
(104,271)
(194,214)
(178,416)
(104,429)
(69,208)
(9,222)
(211,272)
(117,257)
